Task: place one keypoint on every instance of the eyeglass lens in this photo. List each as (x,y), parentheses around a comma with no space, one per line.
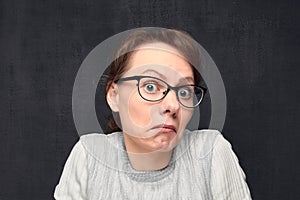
(153,89)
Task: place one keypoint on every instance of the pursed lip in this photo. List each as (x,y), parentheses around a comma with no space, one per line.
(165,126)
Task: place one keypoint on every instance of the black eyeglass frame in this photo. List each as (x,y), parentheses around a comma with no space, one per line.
(176,89)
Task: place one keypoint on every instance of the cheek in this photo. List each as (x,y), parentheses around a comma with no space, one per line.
(135,113)
(139,111)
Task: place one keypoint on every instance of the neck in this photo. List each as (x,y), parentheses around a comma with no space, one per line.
(149,161)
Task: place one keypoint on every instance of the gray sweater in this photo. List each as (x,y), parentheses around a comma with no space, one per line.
(203,166)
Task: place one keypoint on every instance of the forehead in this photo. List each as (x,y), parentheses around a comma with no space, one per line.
(161,58)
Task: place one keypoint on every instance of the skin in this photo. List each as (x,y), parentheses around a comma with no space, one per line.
(139,117)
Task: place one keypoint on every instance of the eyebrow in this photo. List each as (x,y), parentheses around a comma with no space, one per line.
(164,77)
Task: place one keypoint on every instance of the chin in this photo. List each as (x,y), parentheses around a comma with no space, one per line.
(164,142)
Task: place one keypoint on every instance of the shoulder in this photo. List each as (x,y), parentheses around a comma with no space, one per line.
(227,177)
(99,141)
(203,135)
(202,142)
(100,137)
(89,144)
(82,162)
(102,148)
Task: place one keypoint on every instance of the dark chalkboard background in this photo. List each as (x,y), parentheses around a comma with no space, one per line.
(255,44)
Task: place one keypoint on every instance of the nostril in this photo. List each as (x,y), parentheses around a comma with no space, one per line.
(167,111)
(174,115)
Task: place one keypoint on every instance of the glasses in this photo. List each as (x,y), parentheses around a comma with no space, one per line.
(154,89)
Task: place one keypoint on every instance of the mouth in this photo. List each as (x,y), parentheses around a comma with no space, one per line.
(165,128)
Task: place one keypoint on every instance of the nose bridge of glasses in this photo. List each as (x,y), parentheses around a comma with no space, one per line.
(170,95)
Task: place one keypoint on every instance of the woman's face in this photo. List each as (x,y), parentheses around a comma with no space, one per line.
(152,126)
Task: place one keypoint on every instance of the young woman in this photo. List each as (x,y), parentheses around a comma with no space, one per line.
(153,88)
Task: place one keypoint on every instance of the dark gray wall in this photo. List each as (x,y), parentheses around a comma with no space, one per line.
(255,44)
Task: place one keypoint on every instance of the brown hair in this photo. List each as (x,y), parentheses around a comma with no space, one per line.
(180,40)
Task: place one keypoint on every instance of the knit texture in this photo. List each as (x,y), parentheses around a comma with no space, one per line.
(203,166)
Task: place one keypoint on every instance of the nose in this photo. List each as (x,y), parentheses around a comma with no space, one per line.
(170,104)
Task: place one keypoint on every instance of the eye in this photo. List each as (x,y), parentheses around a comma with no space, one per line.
(185,93)
(150,87)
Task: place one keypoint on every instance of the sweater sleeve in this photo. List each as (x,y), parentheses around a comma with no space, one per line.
(228,181)
(73,181)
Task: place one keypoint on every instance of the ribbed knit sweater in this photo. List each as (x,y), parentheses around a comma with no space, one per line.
(202,166)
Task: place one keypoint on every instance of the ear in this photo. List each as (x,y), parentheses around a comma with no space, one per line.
(112,97)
